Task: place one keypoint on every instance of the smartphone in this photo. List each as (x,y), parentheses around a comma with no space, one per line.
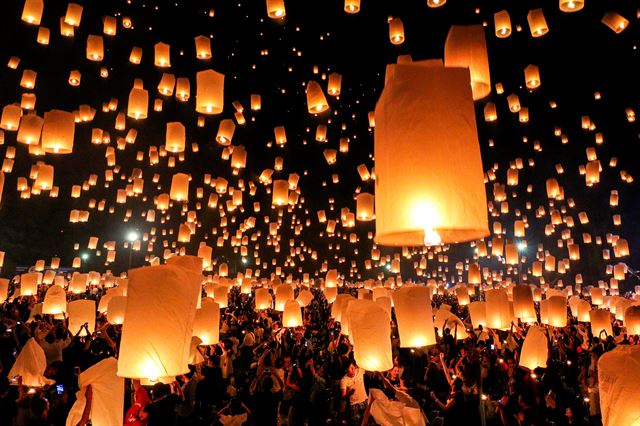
(60,389)
(493,347)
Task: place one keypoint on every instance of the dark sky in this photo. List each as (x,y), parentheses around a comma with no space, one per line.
(578,57)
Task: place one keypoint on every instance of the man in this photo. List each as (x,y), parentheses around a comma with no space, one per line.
(352,387)
(162,411)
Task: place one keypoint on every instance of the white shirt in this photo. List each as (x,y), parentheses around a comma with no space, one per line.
(356,382)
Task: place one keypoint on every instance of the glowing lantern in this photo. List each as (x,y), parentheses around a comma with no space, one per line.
(478,313)
(632,320)
(221,296)
(175,137)
(57,132)
(292,315)
(55,301)
(462,293)
(497,306)
(600,323)
(436,3)
(369,330)
(30,364)
(95,48)
(615,22)
(364,206)
(523,307)
(206,325)
(159,319)
(618,380)
(502,22)
(535,350)
(396,31)
(316,101)
(438,201)
(203,47)
(29,284)
(557,311)
(414,317)
(275,9)
(335,84)
(225,132)
(537,23)
(280,192)
(81,312)
(180,187)
(532,76)
(209,92)
(284,293)
(571,5)
(466,47)
(30,129)
(116,310)
(352,6)
(162,55)
(32,11)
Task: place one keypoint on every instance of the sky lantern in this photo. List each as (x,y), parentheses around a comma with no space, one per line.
(618,380)
(180,187)
(275,9)
(81,312)
(55,301)
(535,349)
(263,299)
(206,325)
(615,22)
(10,117)
(396,31)
(45,177)
(632,319)
(74,14)
(316,101)
(209,92)
(226,129)
(175,137)
(159,318)
(414,317)
(537,23)
(95,48)
(462,294)
(600,323)
(203,47)
(138,106)
(436,3)
(557,311)
(58,132)
(30,364)
(221,296)
(466,47)
(292,315)
(280,192)
(32,11)
(284,293)
(369,330)
(439,202)
(532,76)
(334,85)
(570,6)
(162,55)
(116,309)
(30,129)
(364,206)
(497,306)
(352,6)
(502,23)
(29,284)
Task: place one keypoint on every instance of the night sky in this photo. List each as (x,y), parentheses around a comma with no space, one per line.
(578,57)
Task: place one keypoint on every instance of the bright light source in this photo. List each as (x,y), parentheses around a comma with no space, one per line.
(84,256)
(388,266)
(522,246)
(132,236)
(244,260)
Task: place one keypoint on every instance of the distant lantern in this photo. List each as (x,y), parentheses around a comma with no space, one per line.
(30,129)
(352,6)
(280,192)
(466,47)
(74,78)
(292,315)
(615,22)
(206,325)
(535,350)
(74,14)
(95,48)
(316,101)
(436,3)
(209,92)
(414,317)
(369,330)
(571,5)
(498,312)
(44,181)
(180,187)
(256,102)
(364,206)
(226,128)
(502,23)
(162,55)
(175,137)
(32,11)
(275,9)
(537,23)
(532,76)
(618,381)
(335,84)
(138,106)
(58,132)
(203,47)
(280,135)
(396,31)
(441,201)
(159,318)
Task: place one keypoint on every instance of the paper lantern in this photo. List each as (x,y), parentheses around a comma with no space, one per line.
(280,192)
(95,48)
(597,296)
(275,9)
(206,325)
(396,31)
(304,299)
(162,55)
(615,22)
(632,320)
(32,11)
(532,76)
(571,5)
(292,315)
(352,6)
(158,325)
(414,317)
(29,284)
(203,47)
(557,311)
(335,83)
(537,23)
(490,113)
(175,137)
(364,206)
(284,293)
(55,301)
(436,3)
(73,15)
(600,323)
(81,312)
(462,293)
(209,92)
(443,199)
(497,306)
(221,296)
(478,313)
(225,132)
(523,307)
(30,129)
(466,47)
(330,293)
(316,101)
(263,299)
(57,132)
(180,187)
(502,23)
(44,180)
(4,287)
(535,351)
(116,310)
(30,364)
(370,332)
(618,380)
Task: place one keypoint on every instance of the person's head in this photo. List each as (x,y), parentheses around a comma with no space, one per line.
(351,368)
(160,390)
(394,372)
(60,333)
(40,407)
(457,384)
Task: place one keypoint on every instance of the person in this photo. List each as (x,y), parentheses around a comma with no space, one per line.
(454,408)
(136,415)
(352,388)
(162,411)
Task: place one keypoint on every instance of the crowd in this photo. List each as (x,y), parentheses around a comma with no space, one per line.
(262,374)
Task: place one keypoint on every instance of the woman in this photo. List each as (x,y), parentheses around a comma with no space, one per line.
(454,408)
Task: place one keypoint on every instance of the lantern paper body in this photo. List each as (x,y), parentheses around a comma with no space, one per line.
(284,293)
(107,395)
(207,322)
(535,351)
(523,307)
(478,313)
(466,47)
(80,312)
(292,315)
(498,315)
(263,299)
(115,310)
(632,319)
(29,284)
(316,101)
(30,365)
(415,320)
(370,332)
(156,334)
(618,381)
(600,323)
(58,131)
(209,92)
(557,311)
(305,297)
(55,301)
(425,121)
